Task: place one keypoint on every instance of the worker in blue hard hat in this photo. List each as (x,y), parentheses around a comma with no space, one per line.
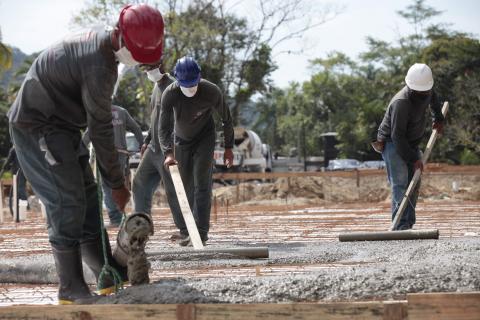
(191,101)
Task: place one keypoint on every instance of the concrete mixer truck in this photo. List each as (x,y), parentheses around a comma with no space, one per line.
(249,153)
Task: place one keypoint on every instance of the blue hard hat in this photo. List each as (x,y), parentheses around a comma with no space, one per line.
(187,72)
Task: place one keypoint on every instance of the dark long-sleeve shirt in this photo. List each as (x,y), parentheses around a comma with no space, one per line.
(192,114)
(155,105)
(69,87)
(122,122)
(405,120)
(11,162)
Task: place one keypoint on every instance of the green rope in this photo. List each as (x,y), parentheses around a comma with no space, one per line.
(107,269)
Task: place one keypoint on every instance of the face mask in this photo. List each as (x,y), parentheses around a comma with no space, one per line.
(124,56)
(189,92)
(154,75)
(419,97)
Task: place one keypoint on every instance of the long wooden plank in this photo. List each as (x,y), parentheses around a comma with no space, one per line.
(417,174)
(185,208)
(376,310)
(439,306)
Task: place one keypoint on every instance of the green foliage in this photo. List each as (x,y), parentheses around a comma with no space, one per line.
(350,97)
(468,157)
(6,57)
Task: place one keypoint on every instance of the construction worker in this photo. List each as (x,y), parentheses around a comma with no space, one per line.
(67,89)
(401,132)
(191,101)
(122,121)
(151,171)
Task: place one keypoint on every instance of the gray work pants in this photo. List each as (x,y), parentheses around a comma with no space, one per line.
(60,175)
(147,178)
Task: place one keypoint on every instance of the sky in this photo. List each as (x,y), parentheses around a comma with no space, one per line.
(32,25)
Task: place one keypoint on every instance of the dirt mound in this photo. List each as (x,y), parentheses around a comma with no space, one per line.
(372,188)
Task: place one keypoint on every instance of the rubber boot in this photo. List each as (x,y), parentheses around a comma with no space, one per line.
(92,254)
(68,262)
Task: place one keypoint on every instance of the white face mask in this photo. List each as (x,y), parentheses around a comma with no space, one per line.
(154,75)
(189,92)
(124,56)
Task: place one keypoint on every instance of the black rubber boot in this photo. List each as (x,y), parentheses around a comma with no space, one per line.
(92,254)
(68,261)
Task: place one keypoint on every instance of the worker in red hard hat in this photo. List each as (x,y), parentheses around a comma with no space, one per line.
(67,89)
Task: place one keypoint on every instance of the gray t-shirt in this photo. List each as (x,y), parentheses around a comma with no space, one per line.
(122,122)
(69,87)
(192,115)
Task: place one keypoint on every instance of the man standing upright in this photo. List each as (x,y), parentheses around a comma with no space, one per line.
(69,88)
(151,169)
(401,132)
(191,101)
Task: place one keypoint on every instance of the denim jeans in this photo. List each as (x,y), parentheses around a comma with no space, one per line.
(113,213)
(60,175)
(400,173)
(147,178)
(195,163)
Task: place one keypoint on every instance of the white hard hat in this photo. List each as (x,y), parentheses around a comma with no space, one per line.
(419,77)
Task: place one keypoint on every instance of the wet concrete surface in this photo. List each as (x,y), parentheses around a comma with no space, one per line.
(307,263)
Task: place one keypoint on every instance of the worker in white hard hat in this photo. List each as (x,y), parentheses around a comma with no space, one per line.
(401,132)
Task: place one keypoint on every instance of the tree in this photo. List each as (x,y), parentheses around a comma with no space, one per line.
(455,61)
(232,51)
(5,55)
(350,97)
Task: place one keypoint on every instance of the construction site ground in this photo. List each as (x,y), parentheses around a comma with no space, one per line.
(307,263)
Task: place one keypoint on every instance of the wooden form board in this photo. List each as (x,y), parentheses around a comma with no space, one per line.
(307,311)
(185,208)
(424,306)
(444,306)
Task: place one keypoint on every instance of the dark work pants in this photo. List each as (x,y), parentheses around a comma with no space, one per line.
(147,178)
(60,175)
(195,163)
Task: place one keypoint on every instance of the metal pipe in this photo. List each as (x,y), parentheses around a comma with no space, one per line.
(389,235)
(247,252)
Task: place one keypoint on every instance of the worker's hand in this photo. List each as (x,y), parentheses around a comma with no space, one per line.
(121,196)
(228,157)
(418,165)
(439,126)
(142,149)
(169,160)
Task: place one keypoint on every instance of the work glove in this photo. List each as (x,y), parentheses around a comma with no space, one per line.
(142,150)
(169,160)
(121,196)
(439,126)
(418,165)
(228,157)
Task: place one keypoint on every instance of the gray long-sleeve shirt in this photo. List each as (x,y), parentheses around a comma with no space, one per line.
(69,87)
(155,105)
(122,122)
(193,114)
(405,120)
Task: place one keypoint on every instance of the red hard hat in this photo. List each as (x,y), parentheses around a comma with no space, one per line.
(141,27)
